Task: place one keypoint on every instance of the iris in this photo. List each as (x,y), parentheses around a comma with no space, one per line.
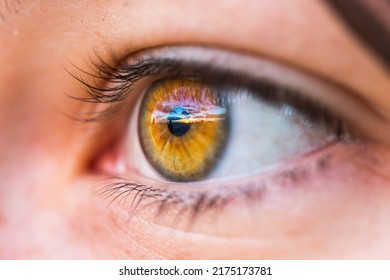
(183,127)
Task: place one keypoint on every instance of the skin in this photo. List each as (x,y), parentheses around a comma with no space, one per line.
(49,203)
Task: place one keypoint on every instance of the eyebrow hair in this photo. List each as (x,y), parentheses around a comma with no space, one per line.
(370,20)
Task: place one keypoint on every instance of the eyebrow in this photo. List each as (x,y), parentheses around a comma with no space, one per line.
(370,20)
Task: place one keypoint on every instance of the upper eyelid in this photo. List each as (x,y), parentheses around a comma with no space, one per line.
(150,61)
(112,82)
(109,83)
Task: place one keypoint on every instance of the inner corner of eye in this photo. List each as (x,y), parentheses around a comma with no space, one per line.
(192,131)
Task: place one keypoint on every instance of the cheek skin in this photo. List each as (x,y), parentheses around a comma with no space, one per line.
(333,213)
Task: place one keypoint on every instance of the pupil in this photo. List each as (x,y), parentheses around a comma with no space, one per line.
(175,126)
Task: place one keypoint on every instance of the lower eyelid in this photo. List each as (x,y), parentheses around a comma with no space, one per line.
(195,200)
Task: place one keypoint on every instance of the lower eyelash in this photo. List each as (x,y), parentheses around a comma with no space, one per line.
(146,197)
(193,203)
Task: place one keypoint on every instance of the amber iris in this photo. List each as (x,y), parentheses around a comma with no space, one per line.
(183,127)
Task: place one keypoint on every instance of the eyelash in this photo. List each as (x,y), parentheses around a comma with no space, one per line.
(112,85)
(122,78)
(163,199)
(118,190)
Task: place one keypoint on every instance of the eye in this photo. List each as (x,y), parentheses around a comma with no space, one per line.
(213,119)
(197,118)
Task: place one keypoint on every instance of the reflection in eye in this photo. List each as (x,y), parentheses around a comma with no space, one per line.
(198,119)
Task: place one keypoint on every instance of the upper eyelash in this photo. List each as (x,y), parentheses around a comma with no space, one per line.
(111,85)
(120,79)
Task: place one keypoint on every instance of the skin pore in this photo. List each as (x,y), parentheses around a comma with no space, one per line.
(50,205)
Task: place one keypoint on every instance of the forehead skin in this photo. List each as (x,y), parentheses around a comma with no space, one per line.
(39,37)
(275,29)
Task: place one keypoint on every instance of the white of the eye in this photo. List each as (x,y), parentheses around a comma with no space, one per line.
(262,135)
